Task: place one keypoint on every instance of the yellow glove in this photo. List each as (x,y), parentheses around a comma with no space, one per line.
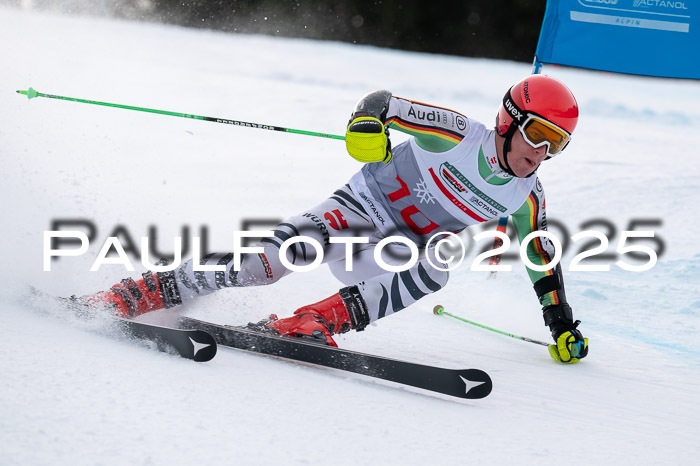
(570,346)
(367,140)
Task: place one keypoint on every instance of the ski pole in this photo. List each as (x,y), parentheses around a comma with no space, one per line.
(31,93)
(497,243)
(440,311)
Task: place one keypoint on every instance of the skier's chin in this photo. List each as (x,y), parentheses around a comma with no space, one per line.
(526,172)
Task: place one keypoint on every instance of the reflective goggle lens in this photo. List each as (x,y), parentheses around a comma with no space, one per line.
(538,132)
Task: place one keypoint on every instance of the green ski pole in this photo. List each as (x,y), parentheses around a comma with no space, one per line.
(31,93)
(440,311)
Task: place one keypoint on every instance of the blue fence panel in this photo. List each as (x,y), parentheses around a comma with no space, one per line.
(647,37)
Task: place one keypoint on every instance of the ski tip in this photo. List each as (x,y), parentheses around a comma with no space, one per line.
(438,310)
(30,93)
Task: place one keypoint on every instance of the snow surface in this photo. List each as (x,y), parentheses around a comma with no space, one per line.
(70,394)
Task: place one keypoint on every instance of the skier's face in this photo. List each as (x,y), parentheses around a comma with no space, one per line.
(523,158)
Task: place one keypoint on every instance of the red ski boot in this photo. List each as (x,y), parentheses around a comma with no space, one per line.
(128,298)
(318,322)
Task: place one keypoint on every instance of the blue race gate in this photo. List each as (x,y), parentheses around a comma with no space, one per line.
(646,37)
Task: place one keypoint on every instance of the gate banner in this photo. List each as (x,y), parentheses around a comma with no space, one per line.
(646,37)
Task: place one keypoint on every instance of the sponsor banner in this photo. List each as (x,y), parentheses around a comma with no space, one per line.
(645,37)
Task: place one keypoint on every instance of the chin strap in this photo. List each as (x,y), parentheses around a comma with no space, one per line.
(506,148)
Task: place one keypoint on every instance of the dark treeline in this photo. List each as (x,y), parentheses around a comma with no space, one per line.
(506,29)
(478,28)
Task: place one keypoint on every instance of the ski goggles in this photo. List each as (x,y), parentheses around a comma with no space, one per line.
(539,132)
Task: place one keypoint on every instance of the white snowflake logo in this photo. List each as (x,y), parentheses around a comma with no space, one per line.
(423,194)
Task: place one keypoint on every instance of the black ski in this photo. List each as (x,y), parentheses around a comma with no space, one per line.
(461,383)
(197,345)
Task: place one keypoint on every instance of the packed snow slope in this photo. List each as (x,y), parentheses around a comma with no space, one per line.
(72,394)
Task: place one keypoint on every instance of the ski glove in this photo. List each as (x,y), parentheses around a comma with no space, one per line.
(367,140)
(570,345)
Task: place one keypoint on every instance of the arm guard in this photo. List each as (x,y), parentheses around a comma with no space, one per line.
(375,105)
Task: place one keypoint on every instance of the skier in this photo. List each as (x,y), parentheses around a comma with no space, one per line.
(453,172)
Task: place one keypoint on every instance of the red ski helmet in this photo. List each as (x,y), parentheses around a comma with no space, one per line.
(532,100)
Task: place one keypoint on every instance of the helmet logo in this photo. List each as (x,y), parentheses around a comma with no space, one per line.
(513,110)
(526,92)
